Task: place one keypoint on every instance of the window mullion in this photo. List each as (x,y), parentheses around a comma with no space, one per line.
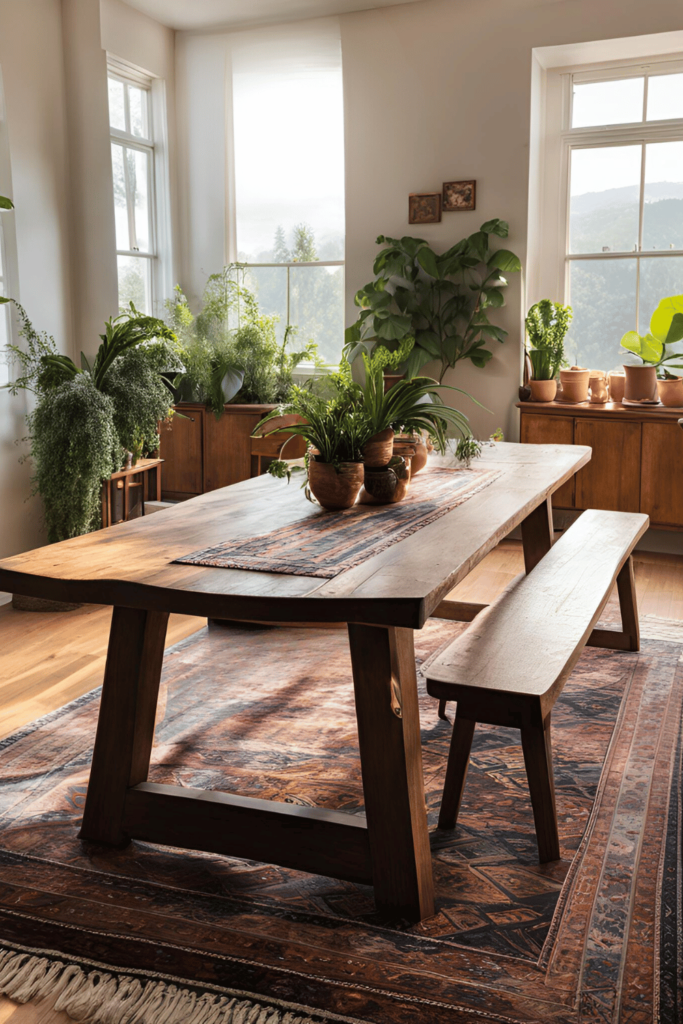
(130,206)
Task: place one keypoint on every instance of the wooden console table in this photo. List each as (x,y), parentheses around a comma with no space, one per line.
(142,482)
(637,456)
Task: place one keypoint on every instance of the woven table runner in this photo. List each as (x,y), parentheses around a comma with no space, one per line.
(331,542)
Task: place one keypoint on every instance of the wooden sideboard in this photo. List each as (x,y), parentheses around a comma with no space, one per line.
(202,453)
(637,463)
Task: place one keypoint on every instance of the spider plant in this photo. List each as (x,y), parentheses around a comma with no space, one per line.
(416,402)
(335,427)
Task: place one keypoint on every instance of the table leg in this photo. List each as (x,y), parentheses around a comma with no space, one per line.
(537,534)
(125,729)
(385,685)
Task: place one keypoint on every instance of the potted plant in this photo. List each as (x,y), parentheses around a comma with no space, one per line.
(443,301)
(666,328)
(87,417)
(546,324)
(235,368)
(335,431)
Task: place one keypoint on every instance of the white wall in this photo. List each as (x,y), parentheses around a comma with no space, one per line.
(53,64)
(434,91)
(31,59)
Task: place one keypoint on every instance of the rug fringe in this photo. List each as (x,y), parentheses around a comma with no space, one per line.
(97,997)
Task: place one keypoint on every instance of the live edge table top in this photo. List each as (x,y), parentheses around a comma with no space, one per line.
(131,565)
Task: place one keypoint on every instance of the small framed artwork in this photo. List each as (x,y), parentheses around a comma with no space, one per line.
(459,195)
(424,207)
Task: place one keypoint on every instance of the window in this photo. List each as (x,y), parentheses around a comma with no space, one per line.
(287,213)
(135,169)
(623,158)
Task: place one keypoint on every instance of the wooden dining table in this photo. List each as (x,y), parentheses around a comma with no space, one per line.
(382,600)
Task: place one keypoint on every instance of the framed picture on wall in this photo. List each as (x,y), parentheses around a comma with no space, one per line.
(424,207)
(459,195)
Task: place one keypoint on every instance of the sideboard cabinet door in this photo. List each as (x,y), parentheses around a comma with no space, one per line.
(542,429)
(181,448)
(662,484)
(611,480)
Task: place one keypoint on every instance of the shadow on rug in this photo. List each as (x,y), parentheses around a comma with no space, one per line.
(594,937)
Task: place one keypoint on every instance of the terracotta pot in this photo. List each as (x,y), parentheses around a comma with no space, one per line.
(617,382)
(335,490)
(378,450)
(421,454)
(543,390)
(390,379)
(641,383)
(598,387)
(671,392)
(575,384)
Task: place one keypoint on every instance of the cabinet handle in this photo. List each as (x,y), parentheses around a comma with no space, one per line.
(191,419)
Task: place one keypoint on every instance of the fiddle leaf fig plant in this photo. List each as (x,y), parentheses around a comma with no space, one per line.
(442,300)
(666,328)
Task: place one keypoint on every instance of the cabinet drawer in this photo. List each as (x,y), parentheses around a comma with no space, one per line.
(543,429)
(662,482)
(611,480)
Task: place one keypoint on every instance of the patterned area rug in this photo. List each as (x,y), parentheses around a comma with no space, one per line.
(594,937)
(327,543)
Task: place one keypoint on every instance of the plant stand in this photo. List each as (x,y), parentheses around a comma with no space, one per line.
(126,491)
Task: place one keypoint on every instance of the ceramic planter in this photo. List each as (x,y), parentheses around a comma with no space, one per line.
(387,485)
(543,390)
(617,382)
(598,386)
(671,392)
(641,384)
(378,450)
(419,446)
(574,384)
(334,489)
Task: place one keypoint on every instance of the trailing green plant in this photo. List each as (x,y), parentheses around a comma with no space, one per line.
(140,394)
(466,449)
(85,418)
(74,447)
(442,300)
(282,470)
(547,324)
(666,328)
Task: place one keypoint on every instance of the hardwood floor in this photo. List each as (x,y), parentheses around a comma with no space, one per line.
(48,659)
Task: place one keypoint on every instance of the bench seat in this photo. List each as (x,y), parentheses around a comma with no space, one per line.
(508,668)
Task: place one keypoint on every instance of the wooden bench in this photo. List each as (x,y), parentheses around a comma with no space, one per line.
(508,668)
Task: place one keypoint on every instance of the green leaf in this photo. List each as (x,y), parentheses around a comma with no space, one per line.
(481,357)
(663,317)
(504,260)
(676,330)
(394,327)
(430,342)
(494,298)
(415,361)
(479,244)
(3,299)
(496,227)
(5,203)
(491,331)
(426,257)
(85,365)
(648,348)
(352,333)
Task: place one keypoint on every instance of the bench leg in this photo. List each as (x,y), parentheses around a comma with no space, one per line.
(538,759)
(456,772)
(628,604)
(537,534)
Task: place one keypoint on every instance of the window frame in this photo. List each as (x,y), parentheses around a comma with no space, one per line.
(154,145)
(640,133)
